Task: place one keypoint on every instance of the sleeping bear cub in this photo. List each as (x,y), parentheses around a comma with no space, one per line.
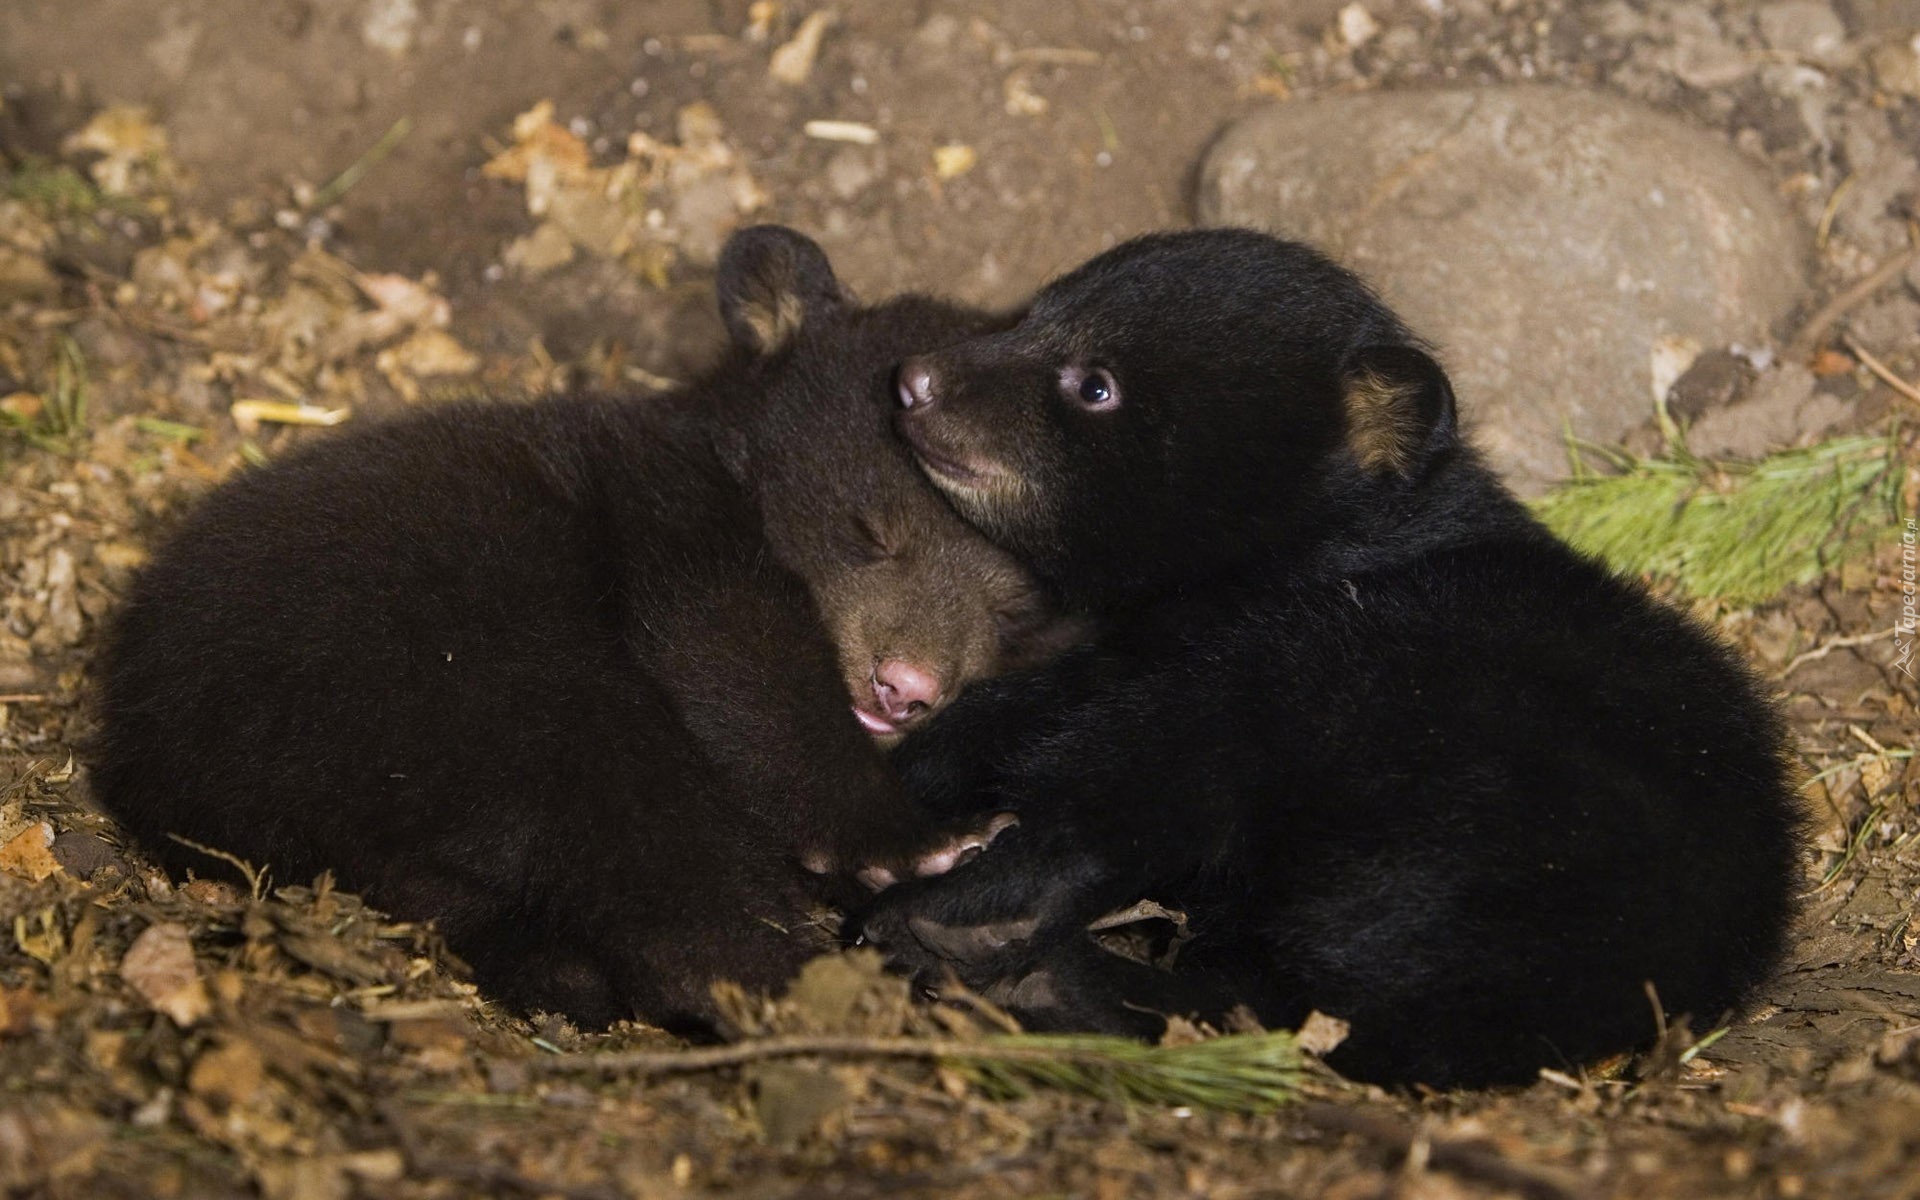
(572,677)
(1400,755)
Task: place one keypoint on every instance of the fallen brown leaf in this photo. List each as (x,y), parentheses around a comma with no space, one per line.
(159,965)
(29,855)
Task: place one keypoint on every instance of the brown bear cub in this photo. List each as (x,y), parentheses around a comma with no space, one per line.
(1400,754)
(572,677)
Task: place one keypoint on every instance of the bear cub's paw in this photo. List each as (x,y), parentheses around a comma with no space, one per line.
(918,855)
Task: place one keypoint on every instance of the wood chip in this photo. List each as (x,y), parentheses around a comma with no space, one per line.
(1320,1034)
(249,415)
(793,63)
(953,161)
(29,854)
(842,131)
(160,967)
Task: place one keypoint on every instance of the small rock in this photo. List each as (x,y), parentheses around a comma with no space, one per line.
(1896,66)
(1869,17)
(1618,21)
(1891,321)
(65,622)
(938,32)
(1700,54)
(24,276)
(1883,168)
(1807,29)
(1783,410)
(81,854)
(390,25)
(1357,26)
(850,171)
(172,52)
(1545,238)
(1716,379)
(705,211)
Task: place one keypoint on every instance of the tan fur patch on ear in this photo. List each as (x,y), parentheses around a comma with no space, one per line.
(774,324)
(1383,425)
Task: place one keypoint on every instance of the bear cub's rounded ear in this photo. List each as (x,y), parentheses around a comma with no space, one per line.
(1400,408)
(771,281)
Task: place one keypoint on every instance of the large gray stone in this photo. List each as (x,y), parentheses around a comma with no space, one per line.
(1543,238)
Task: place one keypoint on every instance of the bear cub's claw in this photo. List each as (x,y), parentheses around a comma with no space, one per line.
(951,847)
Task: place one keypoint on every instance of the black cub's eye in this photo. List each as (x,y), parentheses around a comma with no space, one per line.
(1093,388)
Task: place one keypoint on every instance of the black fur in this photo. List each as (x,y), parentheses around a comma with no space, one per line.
(554,674)
(1400,754)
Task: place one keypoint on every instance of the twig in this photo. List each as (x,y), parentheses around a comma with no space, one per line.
(709,1058)
(24,697)
(1826,648)
(1825,227)
(344,181)
(1881,369)
(1475,1160)
(256,878)
(1854,845)
(1808,339)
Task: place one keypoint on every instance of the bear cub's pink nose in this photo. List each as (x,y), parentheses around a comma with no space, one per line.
(905,692)
(916,383)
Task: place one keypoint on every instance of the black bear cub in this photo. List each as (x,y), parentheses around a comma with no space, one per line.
(573,676)
(1400,755)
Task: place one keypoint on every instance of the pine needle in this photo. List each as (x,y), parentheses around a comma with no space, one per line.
(1740,532)
(1245,1073)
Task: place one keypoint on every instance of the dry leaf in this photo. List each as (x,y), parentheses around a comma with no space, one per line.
(1829,363)
(793,62)
(953,161)
(124,555)
(1667,360)
(133,149)
(1273,86)
(1320,1034)
(761,15)
(16,1011)
(408,302)
(430,352)
(159,965)
(545,249)
(29,855)
(541,148)
(228,1074)
(45,1141)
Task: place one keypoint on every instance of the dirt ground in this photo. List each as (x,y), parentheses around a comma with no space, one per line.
(322,211)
